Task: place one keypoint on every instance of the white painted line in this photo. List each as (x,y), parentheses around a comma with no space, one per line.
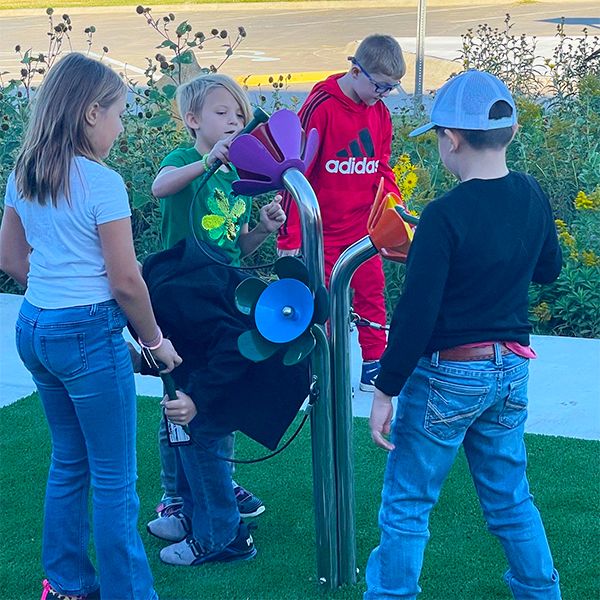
(518,16)
(448,48)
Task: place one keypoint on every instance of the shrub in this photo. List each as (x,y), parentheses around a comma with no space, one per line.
(151,124)
(558,142)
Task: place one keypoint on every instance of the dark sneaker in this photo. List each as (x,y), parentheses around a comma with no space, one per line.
(189,553)
(173,527)
(49,593)
(169,505)
(370,370)
(249,505)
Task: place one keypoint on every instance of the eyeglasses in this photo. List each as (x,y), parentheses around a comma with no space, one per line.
(379,87)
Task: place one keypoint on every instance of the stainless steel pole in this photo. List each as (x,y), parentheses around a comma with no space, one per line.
(326,508)
(312,226)
(420,58)
(339,302)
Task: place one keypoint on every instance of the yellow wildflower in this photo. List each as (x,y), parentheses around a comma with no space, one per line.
(406,177)
(595,198)
(560,225)
(567,239)
(583,201)
(411,179)
(590,259)
(542,311)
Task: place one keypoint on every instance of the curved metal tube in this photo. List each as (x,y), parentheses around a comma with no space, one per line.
(339,302)
(406,216)
(321,419)
(312,225)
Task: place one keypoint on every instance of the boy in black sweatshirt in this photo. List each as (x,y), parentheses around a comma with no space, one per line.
(458,351)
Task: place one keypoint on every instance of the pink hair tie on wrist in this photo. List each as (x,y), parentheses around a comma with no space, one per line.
(155,343)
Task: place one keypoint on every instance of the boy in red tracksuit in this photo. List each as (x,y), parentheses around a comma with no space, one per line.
(355,134)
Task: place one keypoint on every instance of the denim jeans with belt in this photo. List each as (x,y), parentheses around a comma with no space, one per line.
(82,369)
(483,406)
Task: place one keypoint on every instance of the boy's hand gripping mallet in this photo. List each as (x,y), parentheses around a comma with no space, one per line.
(178,434)
(259,116)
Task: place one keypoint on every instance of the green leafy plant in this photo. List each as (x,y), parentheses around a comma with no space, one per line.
(572,303)
(558,142)
(151,124)
(273,100)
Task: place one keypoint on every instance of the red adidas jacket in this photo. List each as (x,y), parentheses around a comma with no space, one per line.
(354,152)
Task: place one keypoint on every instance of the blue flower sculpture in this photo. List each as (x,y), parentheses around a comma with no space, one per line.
(283,311)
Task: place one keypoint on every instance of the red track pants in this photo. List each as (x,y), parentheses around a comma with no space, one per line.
(368,283)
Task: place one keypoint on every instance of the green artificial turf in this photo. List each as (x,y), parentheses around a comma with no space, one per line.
(462,561)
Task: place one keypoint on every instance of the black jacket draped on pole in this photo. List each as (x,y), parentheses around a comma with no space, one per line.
(193,299)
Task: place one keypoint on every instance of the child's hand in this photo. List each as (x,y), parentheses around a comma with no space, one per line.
(380,419)
(167,355)
(220,151)
(180,411)
(272,216)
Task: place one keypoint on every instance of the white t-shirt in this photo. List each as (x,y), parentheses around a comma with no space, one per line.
(66,266)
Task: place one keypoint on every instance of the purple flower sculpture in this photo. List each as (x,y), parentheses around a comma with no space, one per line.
(263,156)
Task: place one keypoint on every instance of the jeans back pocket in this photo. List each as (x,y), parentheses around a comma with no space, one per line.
(64,355)
(452,407)
(514,411)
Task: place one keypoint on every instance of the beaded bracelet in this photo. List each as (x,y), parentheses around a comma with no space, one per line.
(205,164)
(155,343)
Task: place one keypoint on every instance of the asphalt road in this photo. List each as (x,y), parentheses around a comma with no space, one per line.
(307,40)
(290,39)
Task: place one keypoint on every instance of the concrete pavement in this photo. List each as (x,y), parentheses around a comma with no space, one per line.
(564,389)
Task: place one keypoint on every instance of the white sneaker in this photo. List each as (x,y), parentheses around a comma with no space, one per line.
(188,552)
(182,554)
(172,528)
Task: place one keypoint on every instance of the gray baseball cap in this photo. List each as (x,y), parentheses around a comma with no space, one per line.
(464,102)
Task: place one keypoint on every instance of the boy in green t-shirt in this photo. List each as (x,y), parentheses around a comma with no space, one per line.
(214,110)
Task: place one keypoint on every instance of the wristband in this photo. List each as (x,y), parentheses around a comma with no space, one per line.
(153,344)
(205,164)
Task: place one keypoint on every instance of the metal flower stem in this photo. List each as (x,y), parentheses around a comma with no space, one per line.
(321,418)
(339,302)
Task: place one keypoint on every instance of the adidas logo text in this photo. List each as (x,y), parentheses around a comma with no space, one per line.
(352,166)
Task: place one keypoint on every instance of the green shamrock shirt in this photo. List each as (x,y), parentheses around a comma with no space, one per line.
(217,217)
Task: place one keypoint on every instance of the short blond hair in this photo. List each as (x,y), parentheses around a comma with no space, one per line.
(191,96)
(382,54)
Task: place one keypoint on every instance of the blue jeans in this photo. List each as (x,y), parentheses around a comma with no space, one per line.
(168,462)
(483,406)
(204,483)
(82,369)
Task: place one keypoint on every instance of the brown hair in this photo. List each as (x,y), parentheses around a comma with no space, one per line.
(57,128)
(381,54)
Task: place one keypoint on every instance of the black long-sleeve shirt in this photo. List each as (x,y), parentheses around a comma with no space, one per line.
(476,250)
